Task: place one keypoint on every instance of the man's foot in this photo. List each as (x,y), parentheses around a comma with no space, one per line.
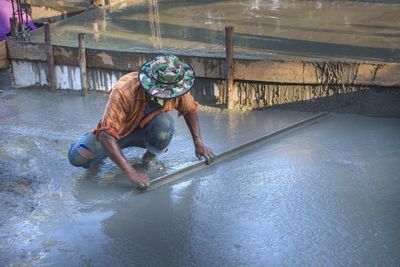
(146,159)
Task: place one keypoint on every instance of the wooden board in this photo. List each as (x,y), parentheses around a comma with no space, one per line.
(26,51)
(269,71)
(3,55)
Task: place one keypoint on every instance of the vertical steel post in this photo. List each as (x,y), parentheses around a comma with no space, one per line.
(229,66)
(82,63)
(50,57)
(26,13)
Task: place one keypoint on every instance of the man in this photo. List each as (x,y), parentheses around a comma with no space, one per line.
(136,116)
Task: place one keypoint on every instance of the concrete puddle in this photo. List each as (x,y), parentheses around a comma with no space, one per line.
(326,194)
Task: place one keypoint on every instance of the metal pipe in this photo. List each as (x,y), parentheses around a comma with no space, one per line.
(20,19)
(168,178)
(13,8)
(26,13)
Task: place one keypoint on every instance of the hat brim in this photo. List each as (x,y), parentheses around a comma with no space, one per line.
(162,90)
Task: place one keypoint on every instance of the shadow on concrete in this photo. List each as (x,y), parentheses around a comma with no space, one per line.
(5,80)
(377,101)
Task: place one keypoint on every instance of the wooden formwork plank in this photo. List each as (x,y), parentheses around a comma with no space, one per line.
(116,60)
(269,71)
(66,55)
(274,71)
(3,55)
(26,51)
(379,74)
(330,72)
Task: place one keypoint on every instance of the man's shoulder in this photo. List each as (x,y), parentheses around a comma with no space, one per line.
(128,85)
(128,80)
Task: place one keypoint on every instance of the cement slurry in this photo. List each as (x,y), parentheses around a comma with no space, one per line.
(356,30)
(324,195)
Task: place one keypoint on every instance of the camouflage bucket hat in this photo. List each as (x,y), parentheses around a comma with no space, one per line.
(166,77)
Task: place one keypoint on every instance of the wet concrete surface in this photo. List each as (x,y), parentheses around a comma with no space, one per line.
(356,30)
(61,3)
(52,11)
(324,195)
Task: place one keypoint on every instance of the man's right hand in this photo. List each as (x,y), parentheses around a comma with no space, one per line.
(111,146)
(141,179)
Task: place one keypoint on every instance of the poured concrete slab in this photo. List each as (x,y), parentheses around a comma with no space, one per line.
(61,3)
(51,11)
(324,195)
(356,30)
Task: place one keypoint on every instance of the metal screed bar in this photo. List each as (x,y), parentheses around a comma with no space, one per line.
(184,172)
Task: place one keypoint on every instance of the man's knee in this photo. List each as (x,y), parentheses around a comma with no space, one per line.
(159,133)
(76,158)
(162,122)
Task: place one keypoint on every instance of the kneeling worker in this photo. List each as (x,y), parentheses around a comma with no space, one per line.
(136,116)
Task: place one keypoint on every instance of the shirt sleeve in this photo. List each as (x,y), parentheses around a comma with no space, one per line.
(114,115)
(186,104)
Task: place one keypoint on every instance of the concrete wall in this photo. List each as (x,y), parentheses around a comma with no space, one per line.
(258,83)
(368,100)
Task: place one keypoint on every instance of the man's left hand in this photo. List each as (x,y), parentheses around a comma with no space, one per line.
(203,151)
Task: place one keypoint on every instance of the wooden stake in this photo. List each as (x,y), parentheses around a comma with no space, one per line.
(14,26)
(82,63)
(50,57)
(229,66)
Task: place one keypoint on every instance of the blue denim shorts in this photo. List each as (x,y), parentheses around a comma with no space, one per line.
(155,136)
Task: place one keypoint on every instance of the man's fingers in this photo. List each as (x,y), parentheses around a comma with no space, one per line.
(208,159)
(141,187)
(209,156)
(212,156)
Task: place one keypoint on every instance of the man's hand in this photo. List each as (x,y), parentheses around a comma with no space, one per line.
(111,146)
(141,179)
(203,151)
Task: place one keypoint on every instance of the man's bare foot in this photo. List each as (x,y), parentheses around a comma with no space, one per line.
(146,159)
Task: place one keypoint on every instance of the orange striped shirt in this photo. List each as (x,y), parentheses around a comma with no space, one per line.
(124,111)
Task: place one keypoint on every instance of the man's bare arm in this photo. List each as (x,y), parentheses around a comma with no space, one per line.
(113,149)
(201,150)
